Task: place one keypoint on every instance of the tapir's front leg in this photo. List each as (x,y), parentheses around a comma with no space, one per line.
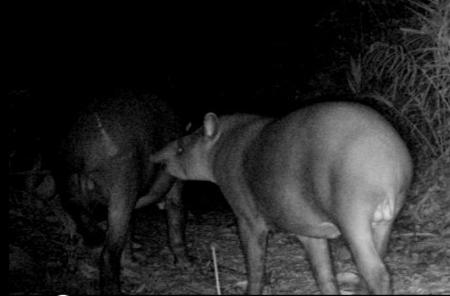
(253,234)
(176,222)
(122,199)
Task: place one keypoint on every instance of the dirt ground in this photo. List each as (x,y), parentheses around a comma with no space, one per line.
(46,256)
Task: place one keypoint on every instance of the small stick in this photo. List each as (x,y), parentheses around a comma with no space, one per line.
(216,272)
(30,173)
(427,234)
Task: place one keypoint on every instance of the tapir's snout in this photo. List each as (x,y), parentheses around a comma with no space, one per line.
(167,158)
(164,155)
(158,157)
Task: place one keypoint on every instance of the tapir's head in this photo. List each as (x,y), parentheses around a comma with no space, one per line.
(190,157)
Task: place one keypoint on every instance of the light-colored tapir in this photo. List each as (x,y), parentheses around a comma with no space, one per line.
(327,169)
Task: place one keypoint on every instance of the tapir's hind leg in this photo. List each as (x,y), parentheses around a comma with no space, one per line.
(381,232)
(318,253)
(386,212)
(122,199)
(365,246)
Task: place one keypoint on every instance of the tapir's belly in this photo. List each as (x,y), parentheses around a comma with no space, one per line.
(294,208)
(287,198)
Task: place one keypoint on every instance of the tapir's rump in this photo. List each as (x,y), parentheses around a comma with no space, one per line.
(327,169)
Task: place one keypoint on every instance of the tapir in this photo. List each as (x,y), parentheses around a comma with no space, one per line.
(327,169)
(104,172)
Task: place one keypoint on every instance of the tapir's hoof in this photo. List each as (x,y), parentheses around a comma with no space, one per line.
(351,283)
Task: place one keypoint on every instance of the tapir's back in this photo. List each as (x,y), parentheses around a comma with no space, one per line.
(304,158)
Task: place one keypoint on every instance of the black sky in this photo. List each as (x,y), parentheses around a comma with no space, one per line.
(201,48)
(202,59)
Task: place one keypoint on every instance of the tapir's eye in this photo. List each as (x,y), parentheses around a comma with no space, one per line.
(180,150)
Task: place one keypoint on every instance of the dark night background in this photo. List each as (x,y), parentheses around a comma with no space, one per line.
(258,58)
(230,58)
(223,59)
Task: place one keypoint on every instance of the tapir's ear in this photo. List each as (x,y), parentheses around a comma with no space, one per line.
(211,125)
(188,127)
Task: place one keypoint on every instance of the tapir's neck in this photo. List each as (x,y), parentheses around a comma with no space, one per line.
(237,133)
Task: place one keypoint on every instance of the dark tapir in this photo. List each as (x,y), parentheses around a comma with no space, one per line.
(328,169)
(104,164)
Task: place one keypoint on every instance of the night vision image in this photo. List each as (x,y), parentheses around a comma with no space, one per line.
(286,150)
